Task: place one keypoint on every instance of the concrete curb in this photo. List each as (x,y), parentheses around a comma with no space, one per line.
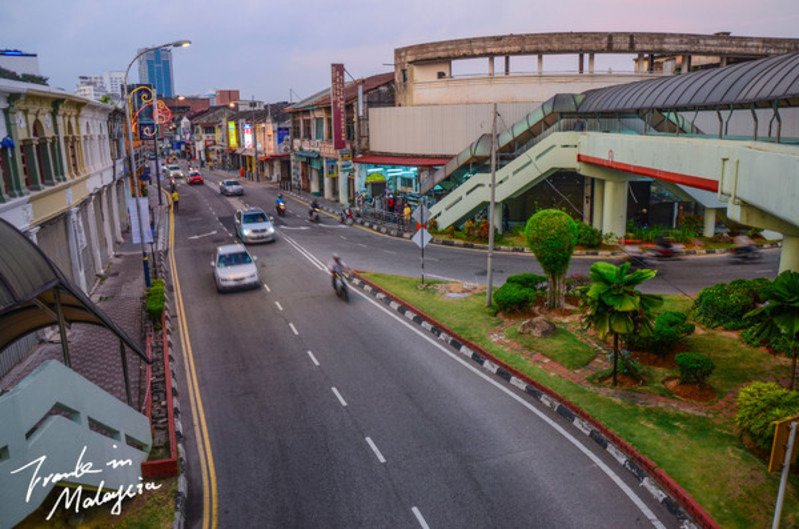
(662,488)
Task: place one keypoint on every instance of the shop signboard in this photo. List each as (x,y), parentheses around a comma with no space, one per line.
(338,105)
(232,141)
(331,168)
(345,159)
(247,132)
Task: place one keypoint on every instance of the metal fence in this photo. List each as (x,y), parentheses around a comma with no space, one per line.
(13,354)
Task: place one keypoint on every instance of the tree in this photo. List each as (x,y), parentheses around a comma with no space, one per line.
(779,316)
(614,306)
(552,234)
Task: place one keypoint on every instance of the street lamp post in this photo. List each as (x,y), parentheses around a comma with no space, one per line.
(254,140)
(132,158)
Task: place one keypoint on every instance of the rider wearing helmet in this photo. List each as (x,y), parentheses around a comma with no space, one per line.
(337,266)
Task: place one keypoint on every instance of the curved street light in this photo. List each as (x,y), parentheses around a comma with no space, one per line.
(132,158)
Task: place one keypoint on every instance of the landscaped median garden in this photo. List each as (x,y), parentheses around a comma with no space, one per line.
(692,384)
(698,443)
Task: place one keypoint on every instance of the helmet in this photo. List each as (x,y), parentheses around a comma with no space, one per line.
(280,195)
(336,256)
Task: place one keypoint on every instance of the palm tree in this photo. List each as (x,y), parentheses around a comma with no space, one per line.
(780,313)
(615,307)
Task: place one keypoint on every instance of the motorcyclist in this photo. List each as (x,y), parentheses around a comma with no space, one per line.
(314,208)
(279,201)
(337,267)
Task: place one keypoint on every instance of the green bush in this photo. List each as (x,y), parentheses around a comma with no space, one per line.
(451,230)
(513,297)
(761,403)
(469,229)
(575,281)
(669,330)
(694,367)
(156,297)
(528,280)
(725,304)
(779,344)
(588,236)
(432,225)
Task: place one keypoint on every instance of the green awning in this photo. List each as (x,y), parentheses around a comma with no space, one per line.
(375,178)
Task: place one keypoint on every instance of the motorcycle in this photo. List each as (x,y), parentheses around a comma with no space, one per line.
(340,286)
(667,250)
(346,216)
(313,215)
(745,254)
(281,209)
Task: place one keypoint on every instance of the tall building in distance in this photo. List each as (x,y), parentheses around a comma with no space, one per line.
(155,68)
(113,82)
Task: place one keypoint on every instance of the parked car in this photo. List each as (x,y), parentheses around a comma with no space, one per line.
(234,268)
(195,178)
(253,225)
(230,187)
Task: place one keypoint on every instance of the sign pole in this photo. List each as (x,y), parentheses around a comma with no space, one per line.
(784,479)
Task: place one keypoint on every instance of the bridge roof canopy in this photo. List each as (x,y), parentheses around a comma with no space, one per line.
(757,83)
(33,291)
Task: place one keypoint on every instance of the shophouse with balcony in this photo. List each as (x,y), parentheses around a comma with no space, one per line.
(62,177)
(315,163)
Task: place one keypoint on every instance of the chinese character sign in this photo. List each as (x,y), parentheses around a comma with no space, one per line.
(339,106)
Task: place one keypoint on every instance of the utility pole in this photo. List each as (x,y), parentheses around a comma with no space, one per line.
(490,272)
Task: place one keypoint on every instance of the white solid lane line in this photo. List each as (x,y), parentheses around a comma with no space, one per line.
(294,329)
(313,359)
(338,395)
(267,288)
(420,518)
(373,446)
(279,306)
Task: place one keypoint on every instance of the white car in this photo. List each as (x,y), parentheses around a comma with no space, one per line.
(234,268)
(173,172)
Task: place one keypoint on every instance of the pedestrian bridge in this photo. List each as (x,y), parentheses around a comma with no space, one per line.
(756,182)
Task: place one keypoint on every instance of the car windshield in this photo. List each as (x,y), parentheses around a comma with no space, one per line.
(173,167)
(233,259)
(230,183)
(249,218)
(194,173)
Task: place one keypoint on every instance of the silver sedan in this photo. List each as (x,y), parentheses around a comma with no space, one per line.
(234,268)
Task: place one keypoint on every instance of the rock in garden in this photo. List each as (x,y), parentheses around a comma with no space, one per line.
(539,327)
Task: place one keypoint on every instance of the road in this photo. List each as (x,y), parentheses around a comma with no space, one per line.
(326,414)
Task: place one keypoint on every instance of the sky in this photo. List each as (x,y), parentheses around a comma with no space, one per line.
(281,51)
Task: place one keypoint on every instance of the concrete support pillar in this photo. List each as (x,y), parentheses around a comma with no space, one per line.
(329,188)
(343,188)
(580,62)
(710,222)
(76,242)
(723,61)
(491,66)
(614,216)
(639,63)
(540,64)
(590,63)
(116,218)
(106,195)
(94,239)
(599,203)
(313,177)
(507,64)
(498,217)
(789,255)
(587,198)
(686,64)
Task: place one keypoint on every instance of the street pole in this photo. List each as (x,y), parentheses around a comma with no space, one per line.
(255,140)
(157,128)
(131,153)
(490,271)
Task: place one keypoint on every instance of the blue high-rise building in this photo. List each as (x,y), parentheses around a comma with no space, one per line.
(155,68)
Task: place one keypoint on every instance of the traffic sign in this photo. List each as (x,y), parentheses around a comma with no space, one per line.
(421,215)
(782,430)
(422,237)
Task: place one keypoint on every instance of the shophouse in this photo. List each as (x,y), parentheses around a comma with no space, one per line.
(62,176)
(318,164)
(210,134)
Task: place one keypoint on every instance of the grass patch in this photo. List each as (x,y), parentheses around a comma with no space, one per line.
(698,452)
(154,509)
(562,347)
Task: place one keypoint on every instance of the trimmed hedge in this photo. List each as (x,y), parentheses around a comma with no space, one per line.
(528,280)
(694,367)
(761,403)
(512,297)
(725,304)
(156,297)
(669,330)
(588,236)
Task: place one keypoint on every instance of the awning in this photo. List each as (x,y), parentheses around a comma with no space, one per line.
(374,178)
(247,152)
(307,154)
(239,151)
(405,161)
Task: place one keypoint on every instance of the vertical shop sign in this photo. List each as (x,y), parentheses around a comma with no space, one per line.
(247,136)
(338,106)
(232,140)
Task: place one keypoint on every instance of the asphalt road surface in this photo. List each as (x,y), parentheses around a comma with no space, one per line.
(322,413)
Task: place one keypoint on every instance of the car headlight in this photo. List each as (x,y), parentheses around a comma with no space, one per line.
(246,231)
(270,231)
